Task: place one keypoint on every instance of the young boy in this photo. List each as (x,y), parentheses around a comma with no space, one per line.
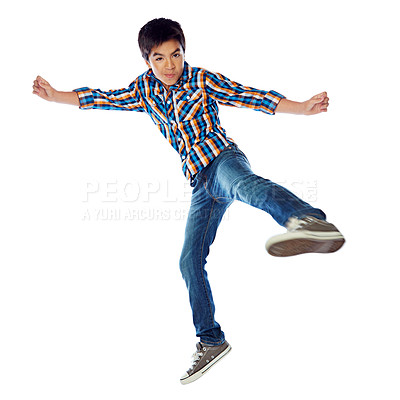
(183,102)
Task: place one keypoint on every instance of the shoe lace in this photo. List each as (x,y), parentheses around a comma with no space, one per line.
(295,223)
(196,358)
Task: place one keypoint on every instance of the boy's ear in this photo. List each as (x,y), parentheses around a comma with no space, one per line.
(148,64)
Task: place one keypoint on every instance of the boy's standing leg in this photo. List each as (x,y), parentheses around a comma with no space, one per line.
(203,220)
(204,217)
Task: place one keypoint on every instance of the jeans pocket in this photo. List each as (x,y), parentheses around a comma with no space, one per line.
(211,191)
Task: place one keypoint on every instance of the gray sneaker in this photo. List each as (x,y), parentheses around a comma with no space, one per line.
(306,235)
(203,359)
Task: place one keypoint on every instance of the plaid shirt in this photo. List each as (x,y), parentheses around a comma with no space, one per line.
(187,114)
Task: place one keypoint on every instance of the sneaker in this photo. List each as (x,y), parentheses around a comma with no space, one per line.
(306,235)
(203,359)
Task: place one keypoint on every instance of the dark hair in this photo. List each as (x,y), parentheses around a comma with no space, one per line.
(158,31)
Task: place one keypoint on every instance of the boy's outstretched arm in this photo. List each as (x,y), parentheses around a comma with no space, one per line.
(44,90)
(86,98)
(317,104)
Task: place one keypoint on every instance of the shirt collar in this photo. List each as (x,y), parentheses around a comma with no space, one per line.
(185,77)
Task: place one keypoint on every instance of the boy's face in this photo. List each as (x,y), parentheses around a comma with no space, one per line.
(167,62)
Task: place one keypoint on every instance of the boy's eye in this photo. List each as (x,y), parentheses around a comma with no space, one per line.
(158,59)
(177,55)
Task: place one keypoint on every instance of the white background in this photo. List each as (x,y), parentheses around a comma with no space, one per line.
(95,308)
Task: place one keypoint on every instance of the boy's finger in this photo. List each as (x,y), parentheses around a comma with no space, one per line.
(317,99)
(321,95)
(43,82)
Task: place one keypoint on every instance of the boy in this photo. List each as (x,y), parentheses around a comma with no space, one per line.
(183,102)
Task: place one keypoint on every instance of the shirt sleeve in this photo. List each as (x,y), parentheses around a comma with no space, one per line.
(127,99)
(230,93)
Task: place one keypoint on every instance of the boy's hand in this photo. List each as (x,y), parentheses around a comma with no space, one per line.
(317,104)
(43,89)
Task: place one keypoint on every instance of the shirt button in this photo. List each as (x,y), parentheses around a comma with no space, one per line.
(187,97)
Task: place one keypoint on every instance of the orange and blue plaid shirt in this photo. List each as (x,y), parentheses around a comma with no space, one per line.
(187,114)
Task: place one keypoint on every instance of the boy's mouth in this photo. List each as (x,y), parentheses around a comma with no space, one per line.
(169,76)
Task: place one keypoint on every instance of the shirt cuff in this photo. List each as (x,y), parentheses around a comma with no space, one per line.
(86,99)
(271,101)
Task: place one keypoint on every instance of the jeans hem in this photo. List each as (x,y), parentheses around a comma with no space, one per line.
(213,344)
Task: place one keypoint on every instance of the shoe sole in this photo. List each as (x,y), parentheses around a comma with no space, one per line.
(206,368)
(301,245)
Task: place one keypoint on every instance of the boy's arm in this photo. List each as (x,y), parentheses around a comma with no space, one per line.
(317,104)
(86,98)
(234,94)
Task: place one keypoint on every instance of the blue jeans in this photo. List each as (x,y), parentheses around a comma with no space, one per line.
(227,178)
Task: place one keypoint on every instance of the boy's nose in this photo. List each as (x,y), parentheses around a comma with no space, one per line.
(170,64)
